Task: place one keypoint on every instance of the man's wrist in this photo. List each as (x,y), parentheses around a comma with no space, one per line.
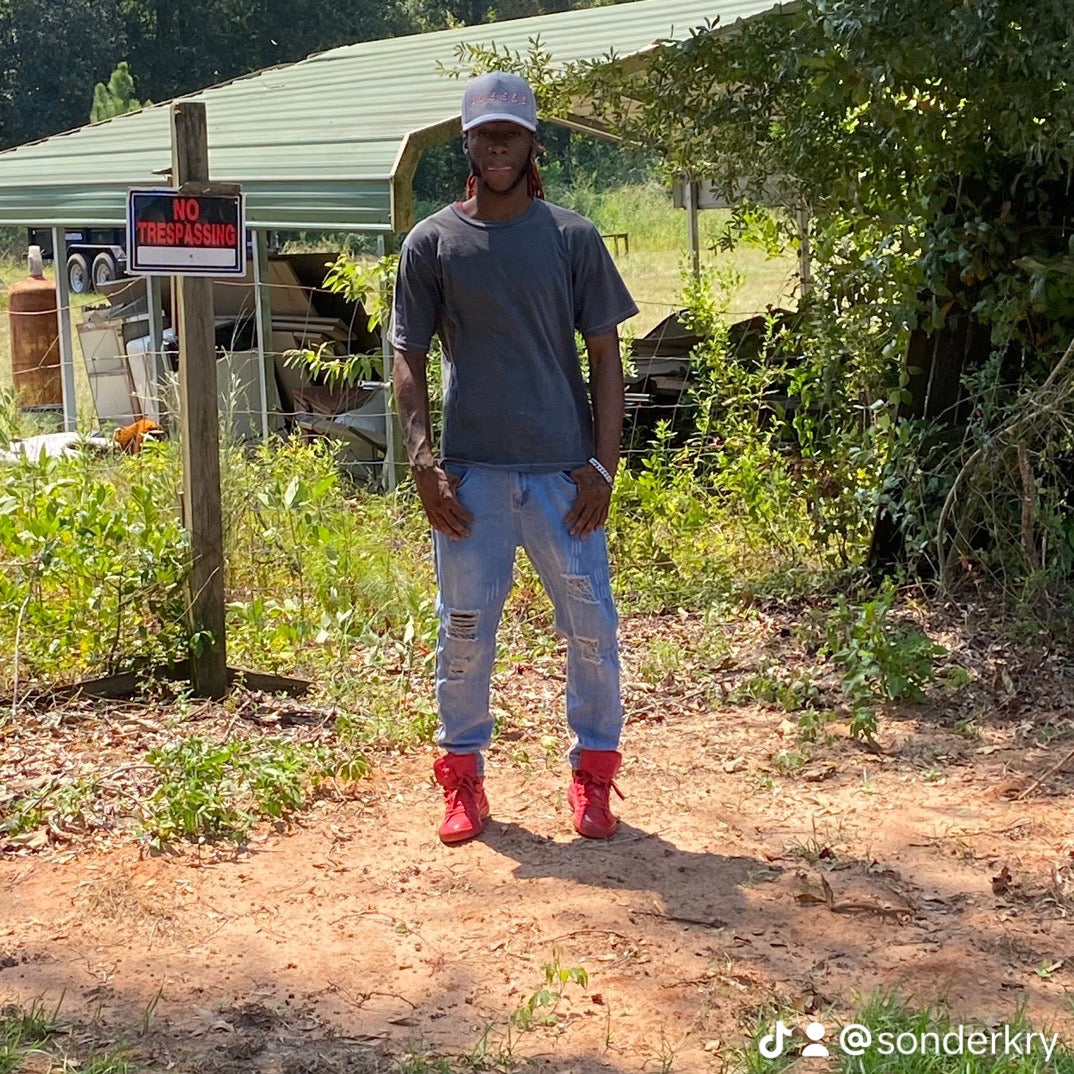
(603,471)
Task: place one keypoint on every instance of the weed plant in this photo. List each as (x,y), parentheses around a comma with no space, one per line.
(59,804)
(208,791)
(880,658)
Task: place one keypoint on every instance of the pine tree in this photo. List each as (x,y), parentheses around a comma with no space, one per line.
(116,97)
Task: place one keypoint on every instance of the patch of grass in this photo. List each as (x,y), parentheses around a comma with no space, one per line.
(383,707)
(421,1063)
(30,1040)
(209,791)
(663,657)
(792,689)
(788,761)
(659,253)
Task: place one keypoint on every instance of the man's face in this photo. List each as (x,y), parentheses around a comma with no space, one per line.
(500,153)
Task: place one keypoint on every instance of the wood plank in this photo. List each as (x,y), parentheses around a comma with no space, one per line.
(128,684)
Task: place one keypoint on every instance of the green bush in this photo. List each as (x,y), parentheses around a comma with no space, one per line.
(317,566)
(210,791)
(880,658)
(93,565)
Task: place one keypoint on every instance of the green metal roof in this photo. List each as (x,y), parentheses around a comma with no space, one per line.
(330,142)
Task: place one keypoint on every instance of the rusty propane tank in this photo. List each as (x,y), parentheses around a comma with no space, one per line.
(35,344)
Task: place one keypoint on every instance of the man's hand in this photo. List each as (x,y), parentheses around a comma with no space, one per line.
(590,510)
(436,487)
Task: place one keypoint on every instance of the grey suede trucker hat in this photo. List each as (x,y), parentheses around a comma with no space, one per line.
(498,95)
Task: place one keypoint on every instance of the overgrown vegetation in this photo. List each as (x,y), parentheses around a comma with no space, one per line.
(766,493)
(799,435)
(94,563)
(208,791)
(926,377)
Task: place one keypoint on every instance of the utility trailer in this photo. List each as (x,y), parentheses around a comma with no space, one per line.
(95,255)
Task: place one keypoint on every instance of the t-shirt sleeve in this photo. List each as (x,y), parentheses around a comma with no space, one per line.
(601,299)
(416,303)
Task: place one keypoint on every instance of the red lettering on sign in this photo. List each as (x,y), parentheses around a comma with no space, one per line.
(186,209)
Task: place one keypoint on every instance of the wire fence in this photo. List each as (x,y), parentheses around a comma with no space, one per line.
(125,379)
(263,392)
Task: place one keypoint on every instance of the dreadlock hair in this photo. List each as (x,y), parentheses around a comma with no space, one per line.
(534,182)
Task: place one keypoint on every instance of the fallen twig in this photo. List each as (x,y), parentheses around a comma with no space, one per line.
(1041,779)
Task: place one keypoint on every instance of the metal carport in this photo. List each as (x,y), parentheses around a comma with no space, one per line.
(330,143)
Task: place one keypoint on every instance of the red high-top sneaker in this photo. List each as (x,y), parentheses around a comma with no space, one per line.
(466,806)
(588,793)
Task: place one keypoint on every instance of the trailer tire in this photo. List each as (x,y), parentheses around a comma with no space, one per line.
(104,270)
(78,275)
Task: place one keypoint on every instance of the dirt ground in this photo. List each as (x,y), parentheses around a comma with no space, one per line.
(750,873)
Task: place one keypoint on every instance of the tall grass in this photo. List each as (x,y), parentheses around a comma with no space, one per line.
(659,253)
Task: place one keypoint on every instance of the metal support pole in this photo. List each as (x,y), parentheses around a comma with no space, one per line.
(690,190)
(156,347)
(391,462)
(63,318)
(263,312)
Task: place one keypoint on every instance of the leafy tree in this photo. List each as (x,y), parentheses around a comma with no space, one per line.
(571,163)
(440,14)
(49,54)
(930,144)
(115,98)
(180,48)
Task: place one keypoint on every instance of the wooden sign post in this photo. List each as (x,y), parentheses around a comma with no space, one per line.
(200,429)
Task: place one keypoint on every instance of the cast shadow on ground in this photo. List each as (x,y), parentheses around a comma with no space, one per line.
(696,887)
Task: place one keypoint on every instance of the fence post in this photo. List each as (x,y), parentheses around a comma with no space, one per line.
(200,429)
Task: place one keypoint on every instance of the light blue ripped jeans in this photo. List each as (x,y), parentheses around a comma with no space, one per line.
(474,576)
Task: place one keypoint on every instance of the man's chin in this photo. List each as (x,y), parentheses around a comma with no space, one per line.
(501,182)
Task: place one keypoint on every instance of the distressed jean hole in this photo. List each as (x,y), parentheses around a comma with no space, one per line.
(463,625)
(580,587)
(457,668)
(589,649)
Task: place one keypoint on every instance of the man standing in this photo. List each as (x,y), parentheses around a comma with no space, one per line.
(528,455)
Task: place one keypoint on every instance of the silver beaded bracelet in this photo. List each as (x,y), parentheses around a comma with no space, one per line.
(598,466)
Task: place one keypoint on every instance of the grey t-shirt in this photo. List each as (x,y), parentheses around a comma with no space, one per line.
(505,298)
